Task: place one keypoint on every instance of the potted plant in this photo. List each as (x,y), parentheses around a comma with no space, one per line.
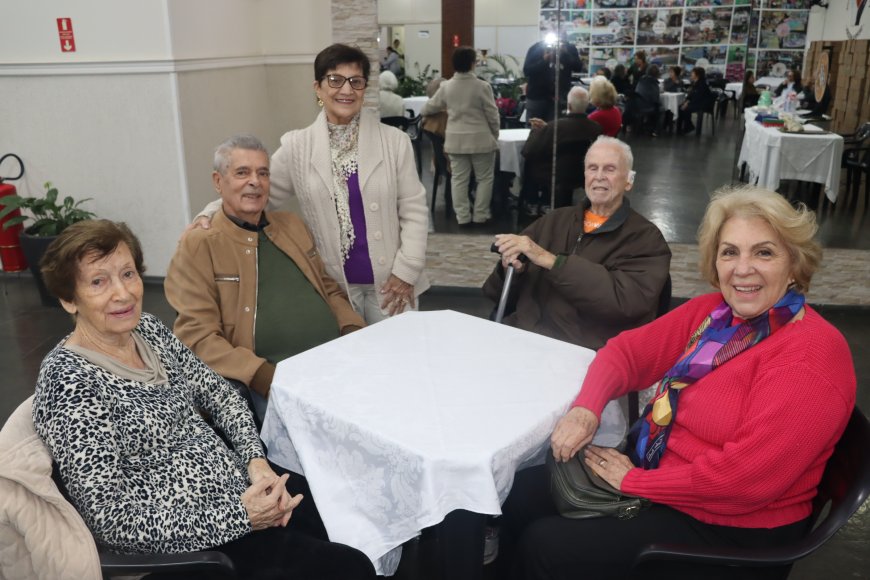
(50,218)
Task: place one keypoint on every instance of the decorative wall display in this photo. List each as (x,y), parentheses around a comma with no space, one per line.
(724,36)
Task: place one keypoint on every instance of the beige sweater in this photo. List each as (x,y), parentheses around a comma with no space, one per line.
(41,534)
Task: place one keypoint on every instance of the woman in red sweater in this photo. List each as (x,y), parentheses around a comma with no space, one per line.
(754,390)
(602,94)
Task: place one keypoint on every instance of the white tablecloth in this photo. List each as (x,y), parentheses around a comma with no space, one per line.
(736,88)
(402,422)
(415,103)
(772,155)
(510,146)
(772,82)
(672,101)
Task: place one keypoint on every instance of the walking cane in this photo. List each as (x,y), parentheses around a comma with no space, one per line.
(505,290)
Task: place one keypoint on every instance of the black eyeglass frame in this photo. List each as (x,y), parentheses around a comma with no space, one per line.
(355,79)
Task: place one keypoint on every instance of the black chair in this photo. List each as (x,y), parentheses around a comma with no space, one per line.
(845,485)
(851,141)
(857,165)
(442,170)
(397,122)
(709,108)
(415,132)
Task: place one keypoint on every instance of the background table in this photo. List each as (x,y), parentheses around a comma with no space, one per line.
(415,103)
(510,147)
(736,88)
(772,155)
(402,422)
(672,101)
(772,82)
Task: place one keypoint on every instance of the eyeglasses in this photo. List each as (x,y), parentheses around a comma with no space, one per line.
(337,81)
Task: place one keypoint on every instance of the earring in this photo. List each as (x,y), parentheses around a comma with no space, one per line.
(319,102)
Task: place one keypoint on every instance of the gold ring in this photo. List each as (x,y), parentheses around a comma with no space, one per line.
(601,463)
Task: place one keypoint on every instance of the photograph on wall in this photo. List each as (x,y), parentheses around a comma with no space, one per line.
(706,25)
(609,57)
(736,63)
(788,4)
(776,63)
(753,29)
(615,3)
(663,56)
(661,3)
(659,26)
(751,61)
(740,26)
(782,29)
(708,3)
(578,27)
(613,27)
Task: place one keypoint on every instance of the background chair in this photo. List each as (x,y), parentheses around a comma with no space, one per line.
(415,132)
(710,108)
(397,122)
(442,170)
(845,485)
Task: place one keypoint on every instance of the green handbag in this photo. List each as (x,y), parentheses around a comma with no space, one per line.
(579,493)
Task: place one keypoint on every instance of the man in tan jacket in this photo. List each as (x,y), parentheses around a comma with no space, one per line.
(252,290)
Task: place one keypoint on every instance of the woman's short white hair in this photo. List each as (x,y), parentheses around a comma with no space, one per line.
(388,81)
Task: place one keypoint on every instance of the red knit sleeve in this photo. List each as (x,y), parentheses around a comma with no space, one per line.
(801,390)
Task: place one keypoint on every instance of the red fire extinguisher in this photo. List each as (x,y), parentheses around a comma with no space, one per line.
(11,256)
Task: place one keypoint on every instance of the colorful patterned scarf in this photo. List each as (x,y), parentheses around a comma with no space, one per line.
(717,340)
(344,148)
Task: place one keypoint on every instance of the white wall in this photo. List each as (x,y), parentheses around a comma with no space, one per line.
(409,11)
(105,30)
(832,23)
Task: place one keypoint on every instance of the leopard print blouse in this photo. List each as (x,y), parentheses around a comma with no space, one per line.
(143,468)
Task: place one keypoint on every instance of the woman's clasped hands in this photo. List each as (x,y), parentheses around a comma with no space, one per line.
(267,500)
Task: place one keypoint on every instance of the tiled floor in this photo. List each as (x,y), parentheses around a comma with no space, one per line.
(675,176)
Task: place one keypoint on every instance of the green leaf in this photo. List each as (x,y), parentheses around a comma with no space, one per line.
(51,195)
(14,221)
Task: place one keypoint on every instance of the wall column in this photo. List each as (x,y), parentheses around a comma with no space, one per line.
(457,20)
(355,22)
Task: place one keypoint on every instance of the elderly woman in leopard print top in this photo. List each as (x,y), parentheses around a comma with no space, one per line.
(117,403)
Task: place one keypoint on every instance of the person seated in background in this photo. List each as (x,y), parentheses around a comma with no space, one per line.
(252,290)
(816,108)
(750,93)
(118,404)
(602,94)
(392,62)
(645,102)
(792,83)
(674,82)
(594,269)
(637,69)
(389,103)
(620,81)
(605,72)
(698,99)
(575,133)
(765,388)
(436,122)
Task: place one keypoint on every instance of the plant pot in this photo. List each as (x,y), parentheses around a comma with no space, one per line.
(34,247)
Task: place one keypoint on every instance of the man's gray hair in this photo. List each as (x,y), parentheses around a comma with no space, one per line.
(623,147)
(244,141)
(578,100)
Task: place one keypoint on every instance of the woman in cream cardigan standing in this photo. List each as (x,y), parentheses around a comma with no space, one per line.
(472,135)
(358,190)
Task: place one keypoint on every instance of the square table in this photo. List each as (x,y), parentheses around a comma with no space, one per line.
(510,147)
(773,155)
(672,101)
(402,422)
(415,103)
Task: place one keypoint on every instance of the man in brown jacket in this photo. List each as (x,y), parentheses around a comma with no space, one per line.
(252,290)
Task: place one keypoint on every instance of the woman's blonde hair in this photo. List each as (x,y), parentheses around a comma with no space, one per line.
(602,93)
(796,227)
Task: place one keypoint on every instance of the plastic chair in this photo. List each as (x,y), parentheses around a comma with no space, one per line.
(709,108)
(857,163)
(441,170)
(845,485)
(397,122)
(415,132)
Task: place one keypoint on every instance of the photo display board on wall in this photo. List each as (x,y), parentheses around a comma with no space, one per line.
(721,35)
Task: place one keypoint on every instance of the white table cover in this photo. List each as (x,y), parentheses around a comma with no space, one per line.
(415,103)
(510,146)
(404,421)
(736,88)
(772,155)
(772,82)
(672,101)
